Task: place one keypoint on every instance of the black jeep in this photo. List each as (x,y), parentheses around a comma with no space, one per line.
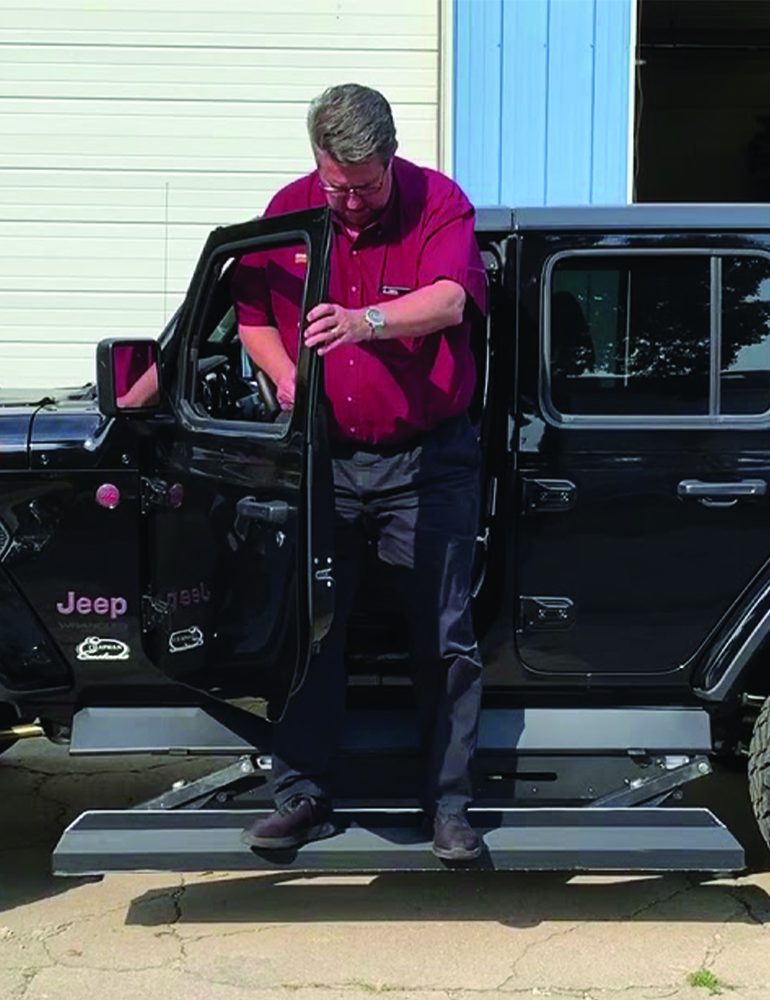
(167,567)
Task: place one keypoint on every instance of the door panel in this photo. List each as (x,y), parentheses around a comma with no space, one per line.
(637,566)
(232,606)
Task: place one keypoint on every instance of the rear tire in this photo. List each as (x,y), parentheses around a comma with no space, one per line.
(759,771)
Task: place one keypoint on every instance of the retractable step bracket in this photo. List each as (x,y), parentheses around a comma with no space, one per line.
(220,786)
(653,789)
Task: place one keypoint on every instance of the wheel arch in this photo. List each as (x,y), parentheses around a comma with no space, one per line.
(737,659)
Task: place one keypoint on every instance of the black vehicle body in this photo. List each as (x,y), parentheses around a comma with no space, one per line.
(622,580)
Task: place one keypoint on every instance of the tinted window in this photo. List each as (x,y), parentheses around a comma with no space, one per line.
(745,361)
(630,335)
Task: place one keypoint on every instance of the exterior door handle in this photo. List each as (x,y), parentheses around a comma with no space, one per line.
(270,512)
(721,494)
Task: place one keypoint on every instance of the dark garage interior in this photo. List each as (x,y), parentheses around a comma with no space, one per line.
(702,129)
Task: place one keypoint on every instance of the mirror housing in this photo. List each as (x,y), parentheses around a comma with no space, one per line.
(128,377)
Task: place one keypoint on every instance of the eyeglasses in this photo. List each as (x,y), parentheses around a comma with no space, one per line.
(359,190)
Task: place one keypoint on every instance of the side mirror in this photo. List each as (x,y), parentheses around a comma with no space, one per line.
(127,376)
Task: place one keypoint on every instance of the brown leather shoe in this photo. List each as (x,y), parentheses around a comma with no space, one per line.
(454,839)
(296,821)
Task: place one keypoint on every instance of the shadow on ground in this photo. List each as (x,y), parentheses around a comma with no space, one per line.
(43,789)
(509,898)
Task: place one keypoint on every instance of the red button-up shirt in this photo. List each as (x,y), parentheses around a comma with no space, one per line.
(382,391)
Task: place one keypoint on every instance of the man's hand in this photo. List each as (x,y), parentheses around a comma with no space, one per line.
(438,306)
(284,390)
(330,326)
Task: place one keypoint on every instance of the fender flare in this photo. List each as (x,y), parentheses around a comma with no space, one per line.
(732,652)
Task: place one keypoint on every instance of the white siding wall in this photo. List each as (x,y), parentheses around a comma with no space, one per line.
(128,131)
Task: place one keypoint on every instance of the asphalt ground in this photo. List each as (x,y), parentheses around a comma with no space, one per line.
(423,936)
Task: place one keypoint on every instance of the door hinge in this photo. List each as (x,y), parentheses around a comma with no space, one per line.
(492,267)
(546,613)
(156,493)
(548,495)
(154,612)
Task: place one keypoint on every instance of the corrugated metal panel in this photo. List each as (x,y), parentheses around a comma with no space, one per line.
(523,141)
(542,101)
(613,103)
(477,91)
(363,24)
(130,130)
(570,102)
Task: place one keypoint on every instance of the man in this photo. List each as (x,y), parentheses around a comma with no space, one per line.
(405,276)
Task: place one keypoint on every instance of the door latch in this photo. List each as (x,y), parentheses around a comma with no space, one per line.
(324,574)
(546,613)
(542,496)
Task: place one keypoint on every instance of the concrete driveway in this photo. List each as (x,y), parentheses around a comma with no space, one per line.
(432,936)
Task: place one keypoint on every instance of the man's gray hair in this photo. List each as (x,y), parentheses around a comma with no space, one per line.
(352,123)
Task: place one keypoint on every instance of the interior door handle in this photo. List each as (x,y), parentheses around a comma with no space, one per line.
(721,494)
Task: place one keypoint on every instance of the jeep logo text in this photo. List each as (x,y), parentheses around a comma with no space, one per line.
(113,607)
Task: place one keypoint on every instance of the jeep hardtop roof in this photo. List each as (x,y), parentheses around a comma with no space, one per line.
(500,218)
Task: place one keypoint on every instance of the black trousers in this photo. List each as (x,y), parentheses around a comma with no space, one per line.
(420,507)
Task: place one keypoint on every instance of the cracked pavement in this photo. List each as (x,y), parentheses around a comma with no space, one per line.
(408,936)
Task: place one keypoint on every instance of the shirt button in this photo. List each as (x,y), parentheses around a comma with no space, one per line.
(355,253)
(351,362)
(350,399)
(352,430)
(353,288)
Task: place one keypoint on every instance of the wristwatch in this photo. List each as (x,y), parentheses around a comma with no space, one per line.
(376,321)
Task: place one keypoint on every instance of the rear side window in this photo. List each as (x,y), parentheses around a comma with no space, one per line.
(650,335)
(744,377)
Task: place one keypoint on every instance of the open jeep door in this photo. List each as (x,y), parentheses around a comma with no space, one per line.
(236,496)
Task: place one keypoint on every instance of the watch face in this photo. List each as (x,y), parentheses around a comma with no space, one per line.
(374,317)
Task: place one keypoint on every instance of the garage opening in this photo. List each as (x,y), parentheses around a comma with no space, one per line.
(702,130)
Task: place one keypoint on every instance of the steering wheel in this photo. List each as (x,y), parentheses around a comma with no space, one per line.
(269,399)
(225,395)
(214,384)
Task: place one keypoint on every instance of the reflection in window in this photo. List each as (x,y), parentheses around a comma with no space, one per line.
(745,362)
(629,335)
(135,374)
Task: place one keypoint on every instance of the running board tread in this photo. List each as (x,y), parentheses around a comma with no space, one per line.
(535,839)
